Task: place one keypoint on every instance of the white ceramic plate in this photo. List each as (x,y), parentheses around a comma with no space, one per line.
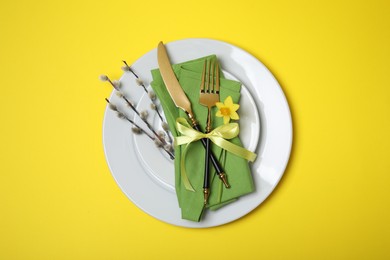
(146,175)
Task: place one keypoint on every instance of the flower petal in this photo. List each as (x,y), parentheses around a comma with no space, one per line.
(218,114)
(219,105)
(234,115)
(226,119)
(228,101)
(235,107)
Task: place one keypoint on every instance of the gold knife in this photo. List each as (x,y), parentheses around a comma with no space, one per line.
(181,101)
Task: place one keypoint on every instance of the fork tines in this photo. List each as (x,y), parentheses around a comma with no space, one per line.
(210,83)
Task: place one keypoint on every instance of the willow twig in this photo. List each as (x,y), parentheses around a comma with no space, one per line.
(158,143)
(152,97)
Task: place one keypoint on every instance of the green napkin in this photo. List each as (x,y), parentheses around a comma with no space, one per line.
(237,169)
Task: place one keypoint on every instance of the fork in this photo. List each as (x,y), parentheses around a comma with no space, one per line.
(208,97)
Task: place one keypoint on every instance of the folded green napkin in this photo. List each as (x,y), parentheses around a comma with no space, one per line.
(236,168)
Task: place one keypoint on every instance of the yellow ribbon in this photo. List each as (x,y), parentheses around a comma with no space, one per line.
(218,136)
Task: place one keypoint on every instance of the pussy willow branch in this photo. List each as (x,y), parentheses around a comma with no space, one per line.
(128,68)
(135,75)
(124,116)
(162,140)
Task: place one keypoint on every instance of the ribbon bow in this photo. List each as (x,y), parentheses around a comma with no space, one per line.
(218,136)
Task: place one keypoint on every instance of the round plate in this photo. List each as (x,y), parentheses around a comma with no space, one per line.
(145,173)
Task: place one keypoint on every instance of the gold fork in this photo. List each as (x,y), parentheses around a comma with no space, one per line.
(209,96)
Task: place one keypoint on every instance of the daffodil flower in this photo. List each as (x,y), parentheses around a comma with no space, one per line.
(227,110)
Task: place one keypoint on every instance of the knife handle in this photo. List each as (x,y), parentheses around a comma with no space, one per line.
(214,161)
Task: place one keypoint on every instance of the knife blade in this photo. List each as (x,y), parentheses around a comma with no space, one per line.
(173,86)
(181,101)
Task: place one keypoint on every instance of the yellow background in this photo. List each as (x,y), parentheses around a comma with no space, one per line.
(58,199)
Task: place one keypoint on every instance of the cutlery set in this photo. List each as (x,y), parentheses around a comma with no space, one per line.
(208,97)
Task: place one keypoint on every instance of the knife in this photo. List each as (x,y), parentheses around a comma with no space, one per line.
(181,101)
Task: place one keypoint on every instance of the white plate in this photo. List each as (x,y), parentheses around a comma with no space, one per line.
(145,174)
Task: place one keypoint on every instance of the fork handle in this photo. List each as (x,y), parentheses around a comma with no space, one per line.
(206,164)
(214,161)
(206,182)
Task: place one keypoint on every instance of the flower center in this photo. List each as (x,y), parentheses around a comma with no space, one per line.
(225,111)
